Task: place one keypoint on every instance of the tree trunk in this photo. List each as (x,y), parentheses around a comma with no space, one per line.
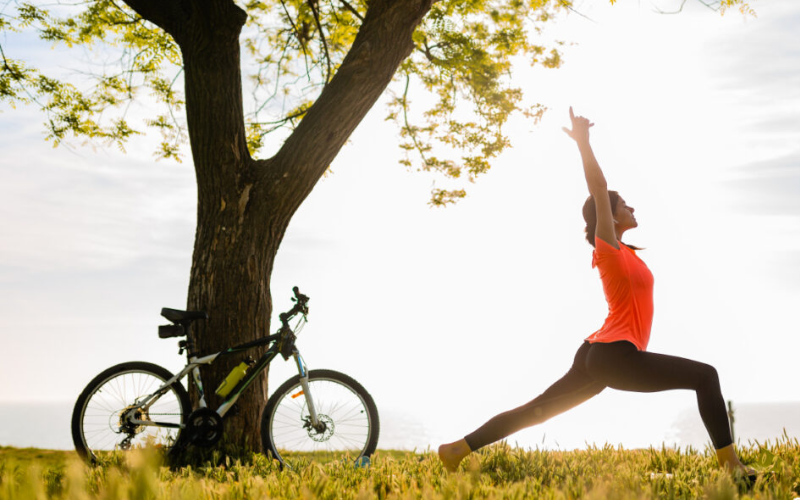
(244,206)
(236,239)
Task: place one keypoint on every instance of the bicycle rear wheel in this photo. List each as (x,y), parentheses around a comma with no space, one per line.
(349,425)
(98,424)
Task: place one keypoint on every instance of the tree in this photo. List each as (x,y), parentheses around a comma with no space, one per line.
(320,65)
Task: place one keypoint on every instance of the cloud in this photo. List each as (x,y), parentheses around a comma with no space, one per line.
(784,122)
(784,267)
(770,187)
(80,210)
(763,55)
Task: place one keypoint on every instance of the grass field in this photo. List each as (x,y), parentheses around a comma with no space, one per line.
(495,472)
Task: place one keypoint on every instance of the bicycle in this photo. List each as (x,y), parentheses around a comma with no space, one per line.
(137,403)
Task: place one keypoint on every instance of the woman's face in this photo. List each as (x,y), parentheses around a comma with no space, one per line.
(623,214)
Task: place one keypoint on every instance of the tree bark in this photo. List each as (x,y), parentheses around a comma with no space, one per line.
(244,206)
(234,247)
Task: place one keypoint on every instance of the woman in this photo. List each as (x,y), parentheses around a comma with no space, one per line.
(614,356)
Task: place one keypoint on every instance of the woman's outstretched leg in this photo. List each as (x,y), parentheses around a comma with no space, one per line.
(571,390)
(620,365)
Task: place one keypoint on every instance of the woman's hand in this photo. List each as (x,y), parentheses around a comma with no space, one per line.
(580,127)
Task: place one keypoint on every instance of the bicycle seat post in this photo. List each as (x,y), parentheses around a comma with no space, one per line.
(190,344)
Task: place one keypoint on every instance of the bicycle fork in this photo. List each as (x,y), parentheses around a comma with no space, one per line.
(303,370)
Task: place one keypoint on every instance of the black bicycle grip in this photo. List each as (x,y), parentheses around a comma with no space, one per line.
(299,296)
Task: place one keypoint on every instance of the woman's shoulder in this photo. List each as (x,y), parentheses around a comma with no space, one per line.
(601,245)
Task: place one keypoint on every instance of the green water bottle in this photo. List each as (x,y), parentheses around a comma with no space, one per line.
(232,379)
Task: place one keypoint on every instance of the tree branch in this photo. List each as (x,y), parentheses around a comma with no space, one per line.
(214,105)
(352,9)
(427,51)
(409,129)
(169,15)
(311,3)
(569,7)
(678,11)
(7,66)
(297,34)
(383,42)
(276,124)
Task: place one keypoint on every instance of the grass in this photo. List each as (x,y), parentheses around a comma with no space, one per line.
(496,472)
(34,456)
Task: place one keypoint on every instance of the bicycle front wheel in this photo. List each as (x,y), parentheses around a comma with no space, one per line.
(101,417)
(347,426)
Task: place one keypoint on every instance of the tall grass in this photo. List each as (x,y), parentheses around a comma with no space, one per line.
(497,472)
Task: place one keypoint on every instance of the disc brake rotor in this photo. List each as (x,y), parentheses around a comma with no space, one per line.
(324,431)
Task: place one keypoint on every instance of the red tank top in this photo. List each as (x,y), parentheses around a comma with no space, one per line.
(628,286)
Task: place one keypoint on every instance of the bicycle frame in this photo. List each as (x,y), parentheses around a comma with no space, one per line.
(193,367)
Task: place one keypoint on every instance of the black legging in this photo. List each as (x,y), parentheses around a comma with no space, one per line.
(619,365)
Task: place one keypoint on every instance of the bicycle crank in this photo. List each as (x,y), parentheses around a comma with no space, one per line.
(204,427)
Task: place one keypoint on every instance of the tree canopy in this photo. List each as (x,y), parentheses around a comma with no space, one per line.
(463,56)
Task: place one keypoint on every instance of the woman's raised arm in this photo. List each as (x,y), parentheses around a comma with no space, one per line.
(595,179)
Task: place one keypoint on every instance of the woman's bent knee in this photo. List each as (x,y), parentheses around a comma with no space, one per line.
(709,376)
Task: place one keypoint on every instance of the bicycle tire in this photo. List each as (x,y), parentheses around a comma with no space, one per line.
(96,415)
(351,417)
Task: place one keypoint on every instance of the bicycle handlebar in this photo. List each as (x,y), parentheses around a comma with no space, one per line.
(300,307)
(299,296)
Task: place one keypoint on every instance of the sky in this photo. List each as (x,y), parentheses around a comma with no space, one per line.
(449,316)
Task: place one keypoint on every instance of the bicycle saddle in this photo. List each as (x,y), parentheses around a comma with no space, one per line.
(176,315)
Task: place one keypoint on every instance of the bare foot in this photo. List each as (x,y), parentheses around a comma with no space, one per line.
(744,470)
(453,453)
(738,467)
(728,459)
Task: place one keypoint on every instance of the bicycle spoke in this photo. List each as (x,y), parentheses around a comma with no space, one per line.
(104,410)
(340,410)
